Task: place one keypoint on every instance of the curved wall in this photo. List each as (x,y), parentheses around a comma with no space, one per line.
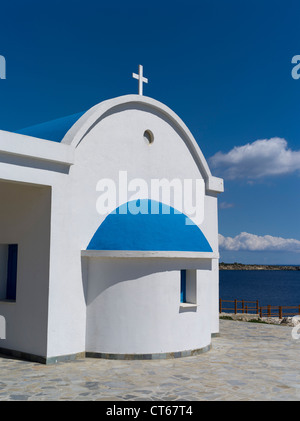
(133,307)
(124,307)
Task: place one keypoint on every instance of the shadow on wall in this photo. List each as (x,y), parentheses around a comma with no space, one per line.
(110,272)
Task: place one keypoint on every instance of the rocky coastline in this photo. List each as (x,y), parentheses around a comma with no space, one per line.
(241,266)
(242,317)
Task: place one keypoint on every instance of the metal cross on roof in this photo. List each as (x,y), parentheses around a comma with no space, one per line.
(140,78)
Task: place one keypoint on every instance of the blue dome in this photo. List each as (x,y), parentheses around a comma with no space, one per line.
(53,130)
(165,230)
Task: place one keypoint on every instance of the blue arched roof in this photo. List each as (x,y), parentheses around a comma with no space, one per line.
(53,130)
(165,230)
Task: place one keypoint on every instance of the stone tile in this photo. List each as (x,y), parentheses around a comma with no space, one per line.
(246,362)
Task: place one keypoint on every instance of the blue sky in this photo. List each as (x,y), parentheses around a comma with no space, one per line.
(223,67)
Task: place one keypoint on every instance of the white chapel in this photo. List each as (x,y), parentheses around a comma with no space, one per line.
(103,251)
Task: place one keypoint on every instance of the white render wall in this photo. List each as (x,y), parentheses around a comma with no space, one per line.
(114,142)
(133,307)
(25,220)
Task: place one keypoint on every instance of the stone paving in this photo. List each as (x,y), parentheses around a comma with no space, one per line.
(249,361)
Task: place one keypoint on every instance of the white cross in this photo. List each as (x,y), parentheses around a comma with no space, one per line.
(140,78)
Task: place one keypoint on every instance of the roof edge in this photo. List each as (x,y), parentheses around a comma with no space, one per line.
(84,124)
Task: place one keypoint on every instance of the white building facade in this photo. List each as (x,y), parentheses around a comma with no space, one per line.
(96,259)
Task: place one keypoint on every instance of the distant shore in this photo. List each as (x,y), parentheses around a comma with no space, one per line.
(241,266)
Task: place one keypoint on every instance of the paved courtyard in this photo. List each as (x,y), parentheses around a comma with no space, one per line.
(249,361)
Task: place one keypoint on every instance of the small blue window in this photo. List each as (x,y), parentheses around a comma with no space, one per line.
(183,286)
(11,286)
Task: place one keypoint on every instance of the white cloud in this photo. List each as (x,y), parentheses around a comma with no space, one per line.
(252,242)
(265,157)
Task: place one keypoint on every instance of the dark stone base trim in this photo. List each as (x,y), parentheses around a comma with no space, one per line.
(71,357)
(158,356)
(23,355)
(215,335)
(64,358)
(38,358)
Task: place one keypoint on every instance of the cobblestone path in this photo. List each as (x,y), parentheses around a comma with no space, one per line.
(249,361)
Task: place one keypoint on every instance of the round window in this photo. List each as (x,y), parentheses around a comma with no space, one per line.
(148,136)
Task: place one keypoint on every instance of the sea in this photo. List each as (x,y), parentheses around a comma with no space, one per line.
(269,287)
